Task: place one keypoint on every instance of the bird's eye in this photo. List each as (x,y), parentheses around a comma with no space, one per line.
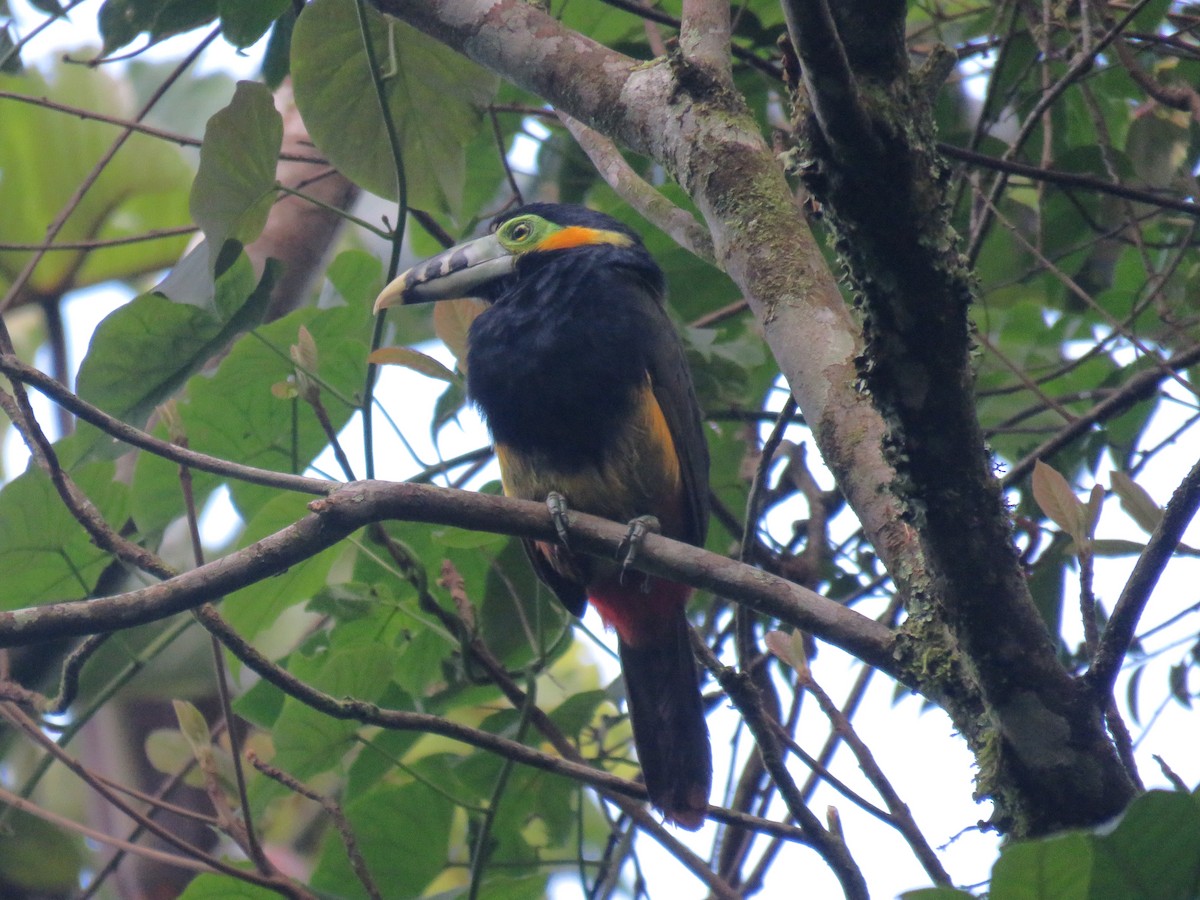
(520,231)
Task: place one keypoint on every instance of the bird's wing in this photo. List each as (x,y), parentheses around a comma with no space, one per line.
(672,383)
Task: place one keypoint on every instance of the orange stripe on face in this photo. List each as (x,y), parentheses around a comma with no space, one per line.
(578,236)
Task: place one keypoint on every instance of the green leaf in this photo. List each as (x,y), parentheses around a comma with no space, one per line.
(1057,868)
(121,21)
(578,711)
(378,758)
(208,886)
(45,554)
(10,57)
(50,7)
(192,724)
(1117,547)
(276,59)
(422,815)
(254,609)
(38,856)
(243,22)
(169,752)
(234,188)
(465,539)
(308,742)
(232,414)
(357,276)
(144,351)
(1154,852)
(45,155)
(449,404)
(261,704)
(433,93)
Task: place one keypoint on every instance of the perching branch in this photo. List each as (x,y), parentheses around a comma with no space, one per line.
(359,504)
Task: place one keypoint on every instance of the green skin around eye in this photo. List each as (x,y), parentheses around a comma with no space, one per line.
(525,232)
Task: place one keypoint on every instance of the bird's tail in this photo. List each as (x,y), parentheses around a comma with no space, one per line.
(669,730)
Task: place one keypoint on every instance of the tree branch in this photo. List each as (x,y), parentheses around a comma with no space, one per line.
(15,369)
(350,709)
(704,38)
(637,192)
(361,503)
(1119,633)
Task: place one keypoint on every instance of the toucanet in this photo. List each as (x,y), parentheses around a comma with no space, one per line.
(582,380)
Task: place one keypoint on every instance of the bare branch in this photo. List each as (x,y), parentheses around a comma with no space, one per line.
(361,503)
(15,369)
(634,190)
(1118,635)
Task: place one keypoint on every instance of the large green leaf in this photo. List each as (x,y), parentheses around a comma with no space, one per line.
(242,23)
(37,856)
(1152,854)
(434,96)
(45,554)
(308,742)
(1054,869)
(144,351)
(121,21)
(234,414)
(255,608)
(403,834)
(235,185)
(211,886)
(45,155)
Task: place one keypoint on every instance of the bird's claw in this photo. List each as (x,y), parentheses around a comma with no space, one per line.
(628,549)
(557,504)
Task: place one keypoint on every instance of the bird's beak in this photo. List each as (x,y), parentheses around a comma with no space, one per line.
(458,272)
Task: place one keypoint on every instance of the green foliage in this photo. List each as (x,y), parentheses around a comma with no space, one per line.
(145,350)
(234,188)
(121,21)
(223,887)
(37,857)
(1153,853)
(44,552)
(403,833)
(1080,292)
(44,155)
(433,97)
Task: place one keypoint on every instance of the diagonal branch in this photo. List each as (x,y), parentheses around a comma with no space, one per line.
(637,192)
(1118,636)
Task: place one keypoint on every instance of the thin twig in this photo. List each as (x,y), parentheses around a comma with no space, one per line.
(334,810)
(29,728)
(136,125)
(245,829)
(22,279)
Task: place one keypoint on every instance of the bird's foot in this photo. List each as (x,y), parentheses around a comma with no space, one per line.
(628,550)
(557,504)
